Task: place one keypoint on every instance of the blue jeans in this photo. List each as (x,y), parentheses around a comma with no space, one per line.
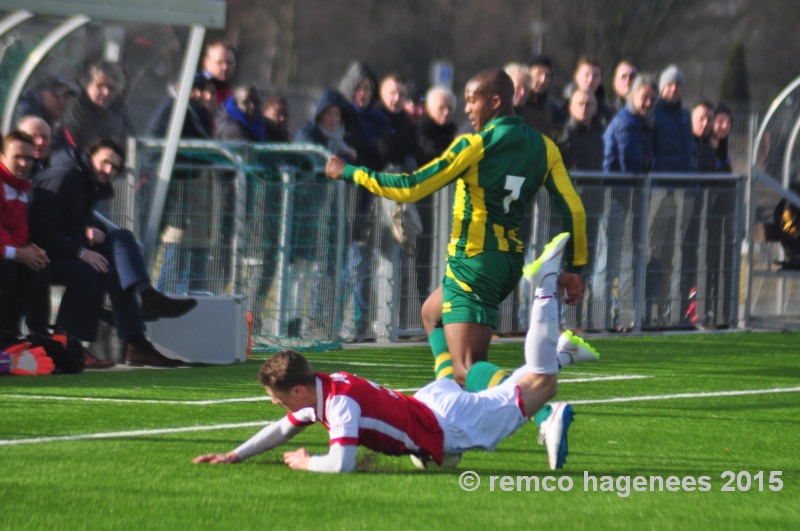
(183,269)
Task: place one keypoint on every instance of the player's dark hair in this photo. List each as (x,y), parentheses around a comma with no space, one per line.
(495,81)
(286,369)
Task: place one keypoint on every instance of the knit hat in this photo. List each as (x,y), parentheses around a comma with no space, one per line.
(671,74)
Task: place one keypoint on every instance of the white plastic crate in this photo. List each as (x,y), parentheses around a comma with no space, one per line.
(214,332)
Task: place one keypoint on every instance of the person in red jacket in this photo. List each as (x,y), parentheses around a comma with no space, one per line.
(21,260)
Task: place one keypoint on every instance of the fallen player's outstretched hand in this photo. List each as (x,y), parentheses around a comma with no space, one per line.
(25,360)
(216,459)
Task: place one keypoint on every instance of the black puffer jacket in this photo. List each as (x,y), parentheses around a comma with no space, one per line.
(84,121)
(64,198)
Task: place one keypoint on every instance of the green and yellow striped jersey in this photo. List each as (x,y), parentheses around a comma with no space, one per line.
(497,173)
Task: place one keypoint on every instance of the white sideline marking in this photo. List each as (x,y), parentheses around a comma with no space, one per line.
(686,395)
(603,378)
(164,431)
(255,398)
(143,400)
(133,433)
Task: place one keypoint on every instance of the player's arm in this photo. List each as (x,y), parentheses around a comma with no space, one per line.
(271,436)
(340,458)
(464,152)
(559,186)
(343,414)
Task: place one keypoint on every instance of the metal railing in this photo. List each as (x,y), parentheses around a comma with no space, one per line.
(253,219)
(664,249)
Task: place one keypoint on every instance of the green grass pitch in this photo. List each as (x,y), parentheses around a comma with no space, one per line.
(714,417)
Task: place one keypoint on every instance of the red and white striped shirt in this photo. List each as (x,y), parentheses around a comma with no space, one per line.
(357,411)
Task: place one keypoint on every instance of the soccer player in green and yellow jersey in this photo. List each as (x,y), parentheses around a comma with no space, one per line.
(497,171)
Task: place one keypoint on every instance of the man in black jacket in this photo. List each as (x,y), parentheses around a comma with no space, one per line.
(437,129)
(702,123)
(199,122)
(582,147)
(99,111)
(400,147)
(89,260)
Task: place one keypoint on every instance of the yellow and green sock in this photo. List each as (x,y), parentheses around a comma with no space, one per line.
(483,375)
(442,361)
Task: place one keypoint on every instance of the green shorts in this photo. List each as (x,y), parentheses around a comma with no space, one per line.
(473,288)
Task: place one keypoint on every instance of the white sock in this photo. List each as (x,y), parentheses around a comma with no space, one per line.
(564,358)
(543,332)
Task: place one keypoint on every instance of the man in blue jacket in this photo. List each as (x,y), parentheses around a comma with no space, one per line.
(628,138)
(673,142)
(675,152)
(628,146)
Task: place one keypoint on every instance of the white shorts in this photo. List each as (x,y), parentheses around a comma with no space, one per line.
(473,420)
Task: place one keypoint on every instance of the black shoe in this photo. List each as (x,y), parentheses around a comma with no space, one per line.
(144,353)
(90,361)
(156,305)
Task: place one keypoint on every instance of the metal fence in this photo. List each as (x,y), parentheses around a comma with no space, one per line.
(665,254)
(259,220)
(319,265)
(664,251)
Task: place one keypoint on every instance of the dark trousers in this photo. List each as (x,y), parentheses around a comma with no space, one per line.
(17,289)
(82,302)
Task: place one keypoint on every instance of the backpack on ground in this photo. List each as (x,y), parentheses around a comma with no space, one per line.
(67,354)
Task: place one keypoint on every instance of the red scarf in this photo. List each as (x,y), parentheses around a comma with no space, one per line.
(20,185)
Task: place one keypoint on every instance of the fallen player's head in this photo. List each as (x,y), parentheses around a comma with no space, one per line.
(285,370)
